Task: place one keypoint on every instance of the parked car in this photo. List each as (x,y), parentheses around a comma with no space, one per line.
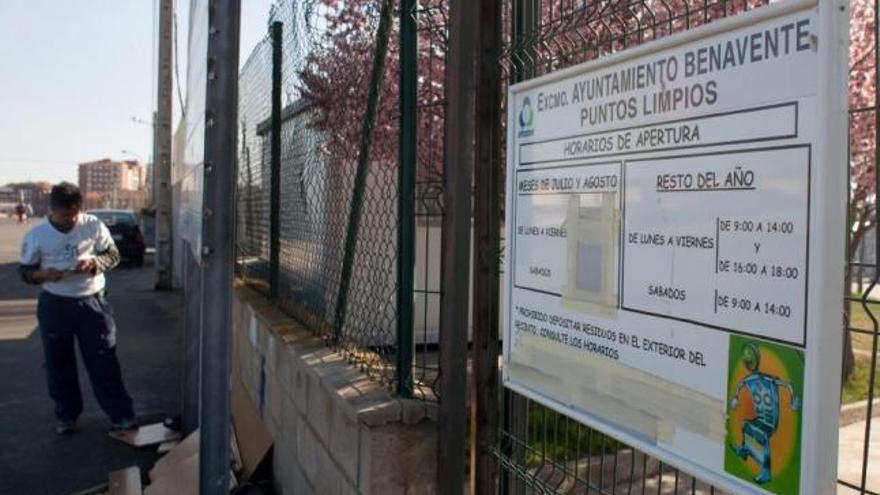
(126,233)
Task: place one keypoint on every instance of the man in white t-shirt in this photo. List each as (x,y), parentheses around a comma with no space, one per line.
(67,256)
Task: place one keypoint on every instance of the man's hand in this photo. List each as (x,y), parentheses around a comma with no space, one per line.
(85,266)
(47,275)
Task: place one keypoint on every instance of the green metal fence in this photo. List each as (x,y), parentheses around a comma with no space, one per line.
(346,181)
(541,451)
(252,239)
(861,384)
(328,56)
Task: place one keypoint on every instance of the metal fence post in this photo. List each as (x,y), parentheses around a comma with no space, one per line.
(275,166)
(218,243)
(487,227)
(406,214)
(525,20)
(875,337)
(363,163)
(458,167)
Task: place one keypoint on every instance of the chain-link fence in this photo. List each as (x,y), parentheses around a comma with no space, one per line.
(329,51)
(345,286)
(254,106)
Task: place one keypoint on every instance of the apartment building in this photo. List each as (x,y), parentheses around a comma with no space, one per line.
(108,183)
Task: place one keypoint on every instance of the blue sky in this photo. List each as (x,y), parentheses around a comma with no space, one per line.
(74,73)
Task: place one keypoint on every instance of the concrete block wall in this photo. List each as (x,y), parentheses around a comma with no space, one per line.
(335,430)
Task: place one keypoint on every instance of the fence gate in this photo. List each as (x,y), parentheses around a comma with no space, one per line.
(541,451)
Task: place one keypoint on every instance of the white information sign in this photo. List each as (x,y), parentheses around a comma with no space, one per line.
(676,220)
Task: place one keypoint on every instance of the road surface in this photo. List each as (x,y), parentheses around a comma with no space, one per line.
(33,459)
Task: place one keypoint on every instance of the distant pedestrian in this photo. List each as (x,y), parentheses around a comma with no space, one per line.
(67,256)
(21,212)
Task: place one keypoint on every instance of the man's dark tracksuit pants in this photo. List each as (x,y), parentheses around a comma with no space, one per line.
(90,321)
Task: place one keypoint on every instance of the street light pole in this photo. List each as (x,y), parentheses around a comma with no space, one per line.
(152,126)
(132,153)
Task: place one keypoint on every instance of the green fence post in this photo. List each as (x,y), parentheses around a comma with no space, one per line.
(363,163)
(525,21)
(275,171)
(406,176)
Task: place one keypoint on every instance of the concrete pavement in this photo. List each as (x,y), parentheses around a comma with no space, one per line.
(852,446)
(33,459)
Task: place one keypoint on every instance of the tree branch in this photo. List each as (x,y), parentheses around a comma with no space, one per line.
(864,57)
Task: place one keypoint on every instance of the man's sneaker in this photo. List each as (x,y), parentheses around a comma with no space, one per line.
(123,424)
(65,427)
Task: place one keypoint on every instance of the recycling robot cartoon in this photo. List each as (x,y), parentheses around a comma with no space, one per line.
(764,391)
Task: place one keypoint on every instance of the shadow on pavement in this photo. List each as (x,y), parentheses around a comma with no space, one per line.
(11,285)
